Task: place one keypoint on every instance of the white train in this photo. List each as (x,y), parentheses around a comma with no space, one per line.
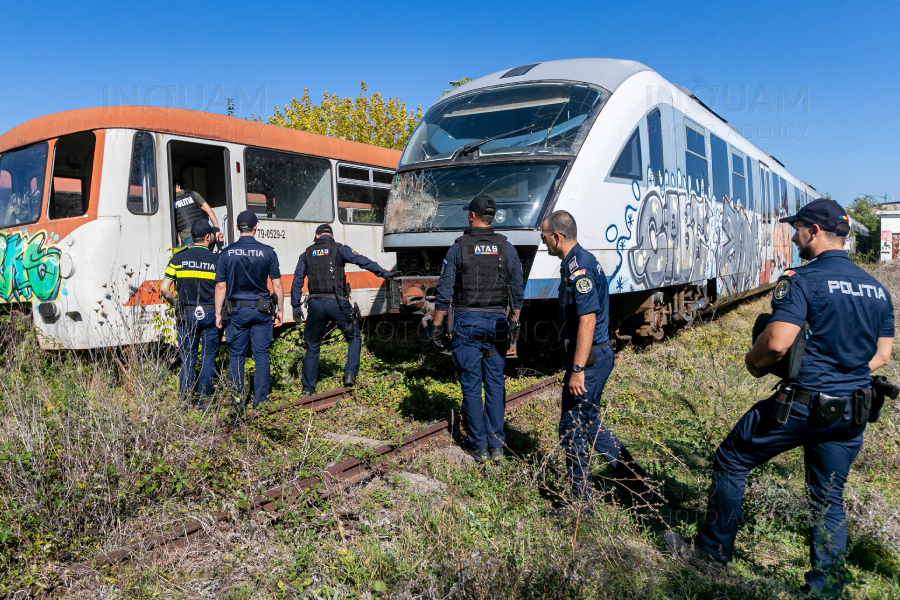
(87,224)
(680,210)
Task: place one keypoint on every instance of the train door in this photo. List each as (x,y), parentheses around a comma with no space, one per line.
(205,169)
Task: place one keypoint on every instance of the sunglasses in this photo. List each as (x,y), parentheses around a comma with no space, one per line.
(544,237)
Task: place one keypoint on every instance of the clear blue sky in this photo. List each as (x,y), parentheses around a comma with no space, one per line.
(58,56)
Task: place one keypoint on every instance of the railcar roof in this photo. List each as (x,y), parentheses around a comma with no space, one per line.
(196,124)
(608,73)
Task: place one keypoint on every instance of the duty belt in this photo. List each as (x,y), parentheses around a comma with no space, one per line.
(193,307)
(330,296)
(482,309)
(806,397)
(243,303)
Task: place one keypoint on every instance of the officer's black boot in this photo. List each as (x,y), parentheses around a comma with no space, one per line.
(633,478)
(349,378)
(687,551)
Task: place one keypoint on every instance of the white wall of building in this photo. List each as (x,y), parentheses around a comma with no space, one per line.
(890,227)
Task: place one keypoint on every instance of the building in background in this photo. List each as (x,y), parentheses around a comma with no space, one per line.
(889,214)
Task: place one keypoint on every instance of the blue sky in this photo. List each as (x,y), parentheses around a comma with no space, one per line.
(72,55)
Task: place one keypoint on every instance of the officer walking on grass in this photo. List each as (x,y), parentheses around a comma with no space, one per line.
(850,321)
(329,301)
(242,296)
(584,314)
(192,270)
(482,278)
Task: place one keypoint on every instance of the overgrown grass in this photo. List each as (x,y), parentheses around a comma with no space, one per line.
(97,452)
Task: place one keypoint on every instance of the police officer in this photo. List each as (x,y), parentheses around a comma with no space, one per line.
(193,271)
(584,316)
(189,207)
(850,319)
(482,277)
(241,276)
(329,301)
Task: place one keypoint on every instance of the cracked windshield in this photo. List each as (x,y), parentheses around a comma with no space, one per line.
(527,119)
(435,199)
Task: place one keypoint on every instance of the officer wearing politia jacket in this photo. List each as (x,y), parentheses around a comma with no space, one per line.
(482,277)
(329,301)
(850,319)
(193,271)
(584,314)
(241,280)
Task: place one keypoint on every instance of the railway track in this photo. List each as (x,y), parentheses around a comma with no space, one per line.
(273,503)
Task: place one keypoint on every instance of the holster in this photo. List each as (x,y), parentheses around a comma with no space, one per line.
(862,405)
(569,347)
(227,308)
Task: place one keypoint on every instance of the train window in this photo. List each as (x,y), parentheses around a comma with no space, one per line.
(628,165)
(286,186)
(362,194)
(784,196)
(73,164)
(738,181)
(654,133)
(695,160)
(720,168)
(798,200)
(22,185)
(779,209)
(143,194)
(751,204)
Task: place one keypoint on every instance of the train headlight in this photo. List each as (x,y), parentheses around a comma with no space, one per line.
(66,265)
(500,216)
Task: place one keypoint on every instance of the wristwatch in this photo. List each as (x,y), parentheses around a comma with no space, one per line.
(577,368)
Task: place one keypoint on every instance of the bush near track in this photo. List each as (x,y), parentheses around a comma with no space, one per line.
(95,452)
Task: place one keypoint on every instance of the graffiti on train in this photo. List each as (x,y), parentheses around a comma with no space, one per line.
(676,234)
(29,267)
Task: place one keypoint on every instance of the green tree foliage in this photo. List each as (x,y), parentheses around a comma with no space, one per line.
(863,210)
(455,84)
(367,119)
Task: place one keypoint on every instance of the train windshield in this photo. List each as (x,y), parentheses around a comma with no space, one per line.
(436,199)
(22,185)
(525,119)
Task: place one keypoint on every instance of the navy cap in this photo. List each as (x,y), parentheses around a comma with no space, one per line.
(202,228)
(482,205)
(324,229)
(827,214)
(247,220)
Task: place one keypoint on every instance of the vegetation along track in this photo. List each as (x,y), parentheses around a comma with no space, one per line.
(271,504)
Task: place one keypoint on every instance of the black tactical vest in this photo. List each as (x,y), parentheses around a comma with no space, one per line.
(186,211)
(483,277)
(323,270)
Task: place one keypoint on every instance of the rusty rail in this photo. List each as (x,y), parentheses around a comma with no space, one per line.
(333,478)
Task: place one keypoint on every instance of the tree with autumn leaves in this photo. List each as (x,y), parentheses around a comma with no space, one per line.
(369,119)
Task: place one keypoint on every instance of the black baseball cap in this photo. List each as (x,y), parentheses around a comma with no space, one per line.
(827,214)
(324,229)
(247,220)
(202,228)
(482,205)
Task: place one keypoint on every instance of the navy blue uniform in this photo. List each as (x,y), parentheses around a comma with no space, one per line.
(325,310)
(193,271)
(245,266)
(847,311)
(479,351)
(583,290)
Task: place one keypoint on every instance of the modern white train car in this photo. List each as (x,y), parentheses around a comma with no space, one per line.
(86,210)
(680,210)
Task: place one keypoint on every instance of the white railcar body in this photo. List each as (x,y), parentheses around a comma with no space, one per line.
(667,195)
